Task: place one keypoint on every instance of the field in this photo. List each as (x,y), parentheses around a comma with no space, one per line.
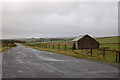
(65,48)
(4,49)
(6,46)
(111,42)
(114,39)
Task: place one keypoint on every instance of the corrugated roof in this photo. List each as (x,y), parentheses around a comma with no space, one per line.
(77,38)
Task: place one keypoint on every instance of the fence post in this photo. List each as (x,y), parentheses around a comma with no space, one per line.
(58,46)
(49,45)
(53,46)
(46,45)
(119,57)
(65,47)
(91,51)
(116,57)
(103,53)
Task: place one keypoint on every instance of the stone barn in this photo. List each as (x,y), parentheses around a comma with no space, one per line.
(85,42)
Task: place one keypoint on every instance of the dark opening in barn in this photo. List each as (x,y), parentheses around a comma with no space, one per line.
(85,42)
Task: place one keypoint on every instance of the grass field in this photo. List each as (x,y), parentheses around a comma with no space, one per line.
(111,42)
(114,39)
(110,56)
(4,48)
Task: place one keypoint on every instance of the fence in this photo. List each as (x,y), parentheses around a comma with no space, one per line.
(103,52)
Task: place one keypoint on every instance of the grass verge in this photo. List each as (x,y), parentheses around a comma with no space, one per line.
(4,49)
(97,58)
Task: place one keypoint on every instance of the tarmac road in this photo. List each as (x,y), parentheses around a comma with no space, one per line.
(23,62)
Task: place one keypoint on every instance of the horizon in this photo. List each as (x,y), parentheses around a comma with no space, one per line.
(55,37)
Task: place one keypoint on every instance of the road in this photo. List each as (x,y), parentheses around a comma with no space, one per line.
(23,62)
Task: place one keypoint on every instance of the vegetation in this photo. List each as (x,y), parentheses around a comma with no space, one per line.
(64,47)
(4,49)
(5,45)
(114,39)
(111,42)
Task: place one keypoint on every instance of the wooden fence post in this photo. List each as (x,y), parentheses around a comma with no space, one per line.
(91,51)
(116,57)
(58,46)
(46,45)
(103,49)
(49,45)
(53,46)
(65,47)
(103,53)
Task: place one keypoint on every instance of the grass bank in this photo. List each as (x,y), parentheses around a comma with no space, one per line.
(4,49)
(81,54)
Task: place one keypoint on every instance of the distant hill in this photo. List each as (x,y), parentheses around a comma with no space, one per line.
(113,39)
(109,39)
(45,39)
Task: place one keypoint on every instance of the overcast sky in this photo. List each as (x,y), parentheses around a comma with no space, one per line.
(59,19)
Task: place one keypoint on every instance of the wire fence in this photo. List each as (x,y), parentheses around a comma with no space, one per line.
(105,53)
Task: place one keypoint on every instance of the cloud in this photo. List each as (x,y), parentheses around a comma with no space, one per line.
(54,19)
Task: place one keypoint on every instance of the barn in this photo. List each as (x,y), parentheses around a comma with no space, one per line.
(85,42)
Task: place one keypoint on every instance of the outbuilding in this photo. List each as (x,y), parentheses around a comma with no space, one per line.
(85,42)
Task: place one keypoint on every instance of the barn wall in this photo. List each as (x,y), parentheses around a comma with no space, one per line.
(87,43)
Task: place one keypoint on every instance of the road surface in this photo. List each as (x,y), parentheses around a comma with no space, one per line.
(23,62)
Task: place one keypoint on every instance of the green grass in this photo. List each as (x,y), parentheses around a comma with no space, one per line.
(111,42)
(108,39)
(4,49)
(110,57)
(111,46)
(56,42)
(97,56)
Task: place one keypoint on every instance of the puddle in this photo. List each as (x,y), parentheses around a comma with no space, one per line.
(49,59)
(20,71)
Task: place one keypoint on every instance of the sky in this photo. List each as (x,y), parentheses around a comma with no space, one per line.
(59,19)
